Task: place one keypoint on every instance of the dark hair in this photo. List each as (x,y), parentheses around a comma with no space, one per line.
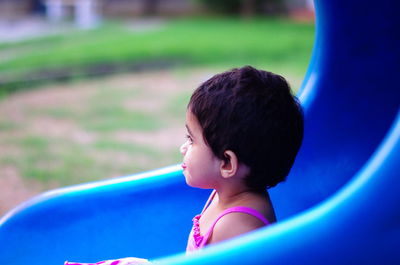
(254,114)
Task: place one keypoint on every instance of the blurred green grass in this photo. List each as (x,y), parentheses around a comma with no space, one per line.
(224,42)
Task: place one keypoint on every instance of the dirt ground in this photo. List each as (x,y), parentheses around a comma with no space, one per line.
(15,188)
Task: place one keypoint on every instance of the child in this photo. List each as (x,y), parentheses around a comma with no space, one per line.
(244,129)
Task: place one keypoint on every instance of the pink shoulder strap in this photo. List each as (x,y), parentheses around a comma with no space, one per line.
(237,209)
(210,199)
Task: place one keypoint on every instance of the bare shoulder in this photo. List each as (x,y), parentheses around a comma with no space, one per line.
(262,204)
(234,224)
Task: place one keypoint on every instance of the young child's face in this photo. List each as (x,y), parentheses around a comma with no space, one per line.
(200,166)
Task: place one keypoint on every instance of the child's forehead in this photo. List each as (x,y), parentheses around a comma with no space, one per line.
(192,123)
(190,117)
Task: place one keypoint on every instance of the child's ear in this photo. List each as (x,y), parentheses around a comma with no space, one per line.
(229,165)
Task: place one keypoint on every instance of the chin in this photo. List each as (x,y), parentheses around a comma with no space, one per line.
(189,183)
(187,178)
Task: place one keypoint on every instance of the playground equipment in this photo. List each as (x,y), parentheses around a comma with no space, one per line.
(85,11)
(340,204)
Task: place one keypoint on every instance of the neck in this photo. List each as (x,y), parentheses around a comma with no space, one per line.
(231,195)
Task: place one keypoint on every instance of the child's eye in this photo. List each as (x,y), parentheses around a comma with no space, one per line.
(189,138)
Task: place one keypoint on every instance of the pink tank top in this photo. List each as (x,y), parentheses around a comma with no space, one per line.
(197,241)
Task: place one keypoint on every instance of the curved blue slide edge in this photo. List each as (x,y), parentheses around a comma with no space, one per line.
(144,215)
(347,116)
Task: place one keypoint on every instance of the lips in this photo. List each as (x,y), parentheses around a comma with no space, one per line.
(183,166)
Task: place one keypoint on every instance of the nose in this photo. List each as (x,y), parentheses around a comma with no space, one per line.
(183,148)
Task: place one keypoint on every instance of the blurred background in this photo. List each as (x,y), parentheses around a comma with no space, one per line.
(95,89)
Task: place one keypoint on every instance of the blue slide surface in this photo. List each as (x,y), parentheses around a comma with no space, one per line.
(340,204)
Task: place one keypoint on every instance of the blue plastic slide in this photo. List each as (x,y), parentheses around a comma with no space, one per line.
(340,204)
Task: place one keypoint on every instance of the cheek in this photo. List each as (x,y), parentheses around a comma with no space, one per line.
(194,160)
(190,158)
